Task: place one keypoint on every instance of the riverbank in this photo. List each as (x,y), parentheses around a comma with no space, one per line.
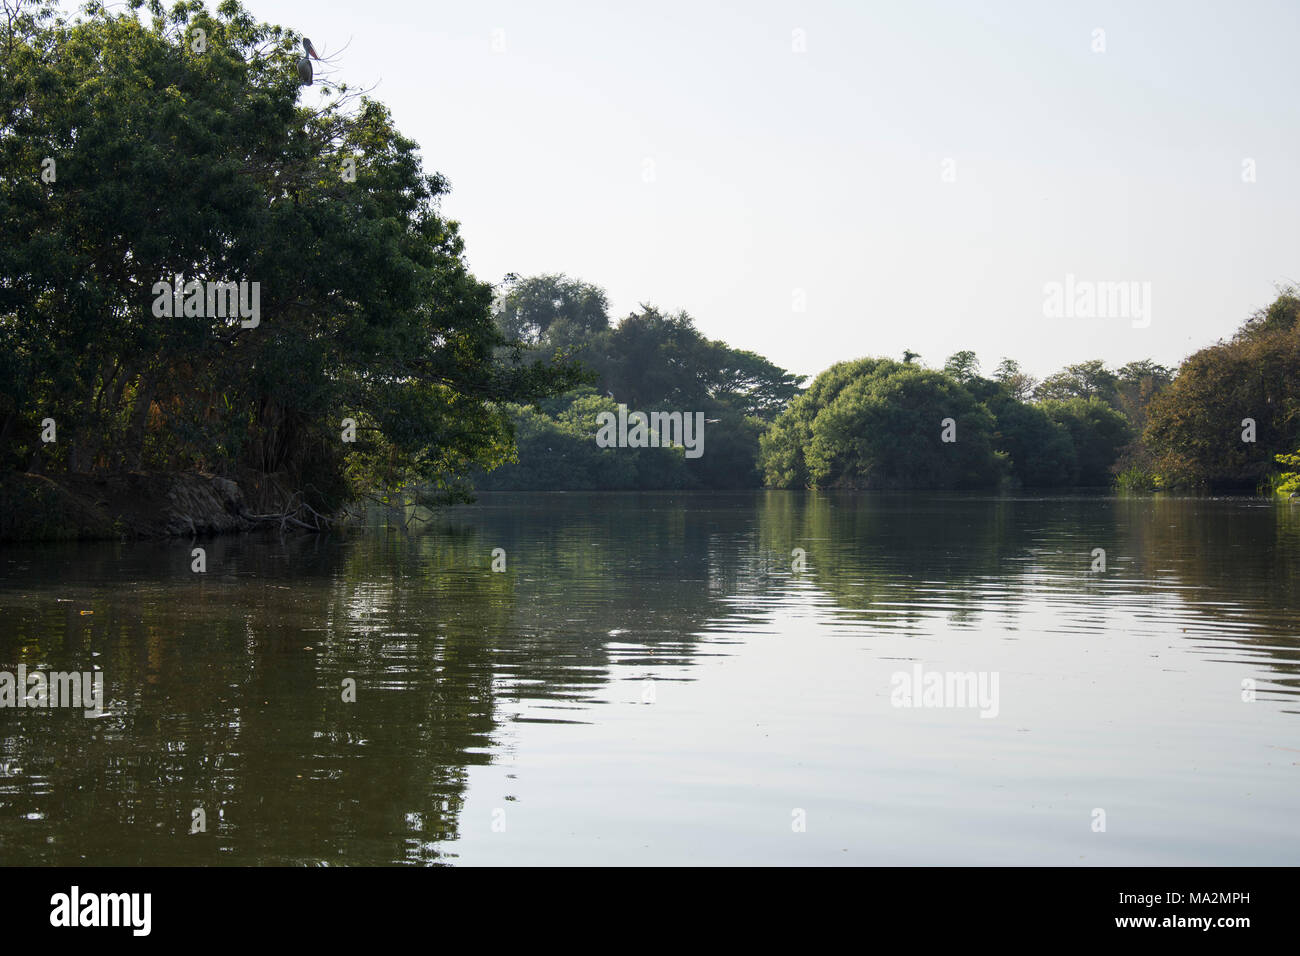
(139,505)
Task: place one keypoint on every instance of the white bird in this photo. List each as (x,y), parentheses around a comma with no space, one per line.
(304,65)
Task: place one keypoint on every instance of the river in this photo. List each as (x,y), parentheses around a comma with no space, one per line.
(671,679)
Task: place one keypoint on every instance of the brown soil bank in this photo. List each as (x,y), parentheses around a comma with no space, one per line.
(140,505)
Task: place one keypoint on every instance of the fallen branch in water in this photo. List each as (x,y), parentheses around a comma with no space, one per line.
(290,515)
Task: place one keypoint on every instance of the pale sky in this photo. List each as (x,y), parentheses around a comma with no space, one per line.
(822,171)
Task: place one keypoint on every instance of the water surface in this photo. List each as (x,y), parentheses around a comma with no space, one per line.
(650,680)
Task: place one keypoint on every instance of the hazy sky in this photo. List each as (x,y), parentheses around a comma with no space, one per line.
(823,171)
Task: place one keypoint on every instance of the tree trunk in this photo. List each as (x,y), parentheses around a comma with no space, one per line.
(133,453)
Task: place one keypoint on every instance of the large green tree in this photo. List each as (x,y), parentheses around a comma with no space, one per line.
(1082,380)
(1137,385)
(653,358)
(1018,383)
(650,361)
(1041,449)
(553,309)
(1233,407)
(879,424)
(138,145)
(1098,433)
(962,366)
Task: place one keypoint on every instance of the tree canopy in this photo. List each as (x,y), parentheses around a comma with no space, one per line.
(1233,407)
(143,145)
(874,423)
(649,361)
(880,424)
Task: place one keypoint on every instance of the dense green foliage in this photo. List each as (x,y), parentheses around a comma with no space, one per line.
(878,424)
(1226,419)
(648,362)
(1039,446)
(557,451)
(1288,482)
(1097,434)
(173,160)
(871,423)
(1196,433)
(1129,390)
(131,154)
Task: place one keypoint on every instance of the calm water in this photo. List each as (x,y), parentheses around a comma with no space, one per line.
(649,681)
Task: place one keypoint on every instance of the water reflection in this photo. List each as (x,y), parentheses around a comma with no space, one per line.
(225,688)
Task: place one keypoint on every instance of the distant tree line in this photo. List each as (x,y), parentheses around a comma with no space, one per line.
(650,361)
(882,424)
(876,423)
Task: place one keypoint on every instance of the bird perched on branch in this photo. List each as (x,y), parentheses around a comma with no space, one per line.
(304,64)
